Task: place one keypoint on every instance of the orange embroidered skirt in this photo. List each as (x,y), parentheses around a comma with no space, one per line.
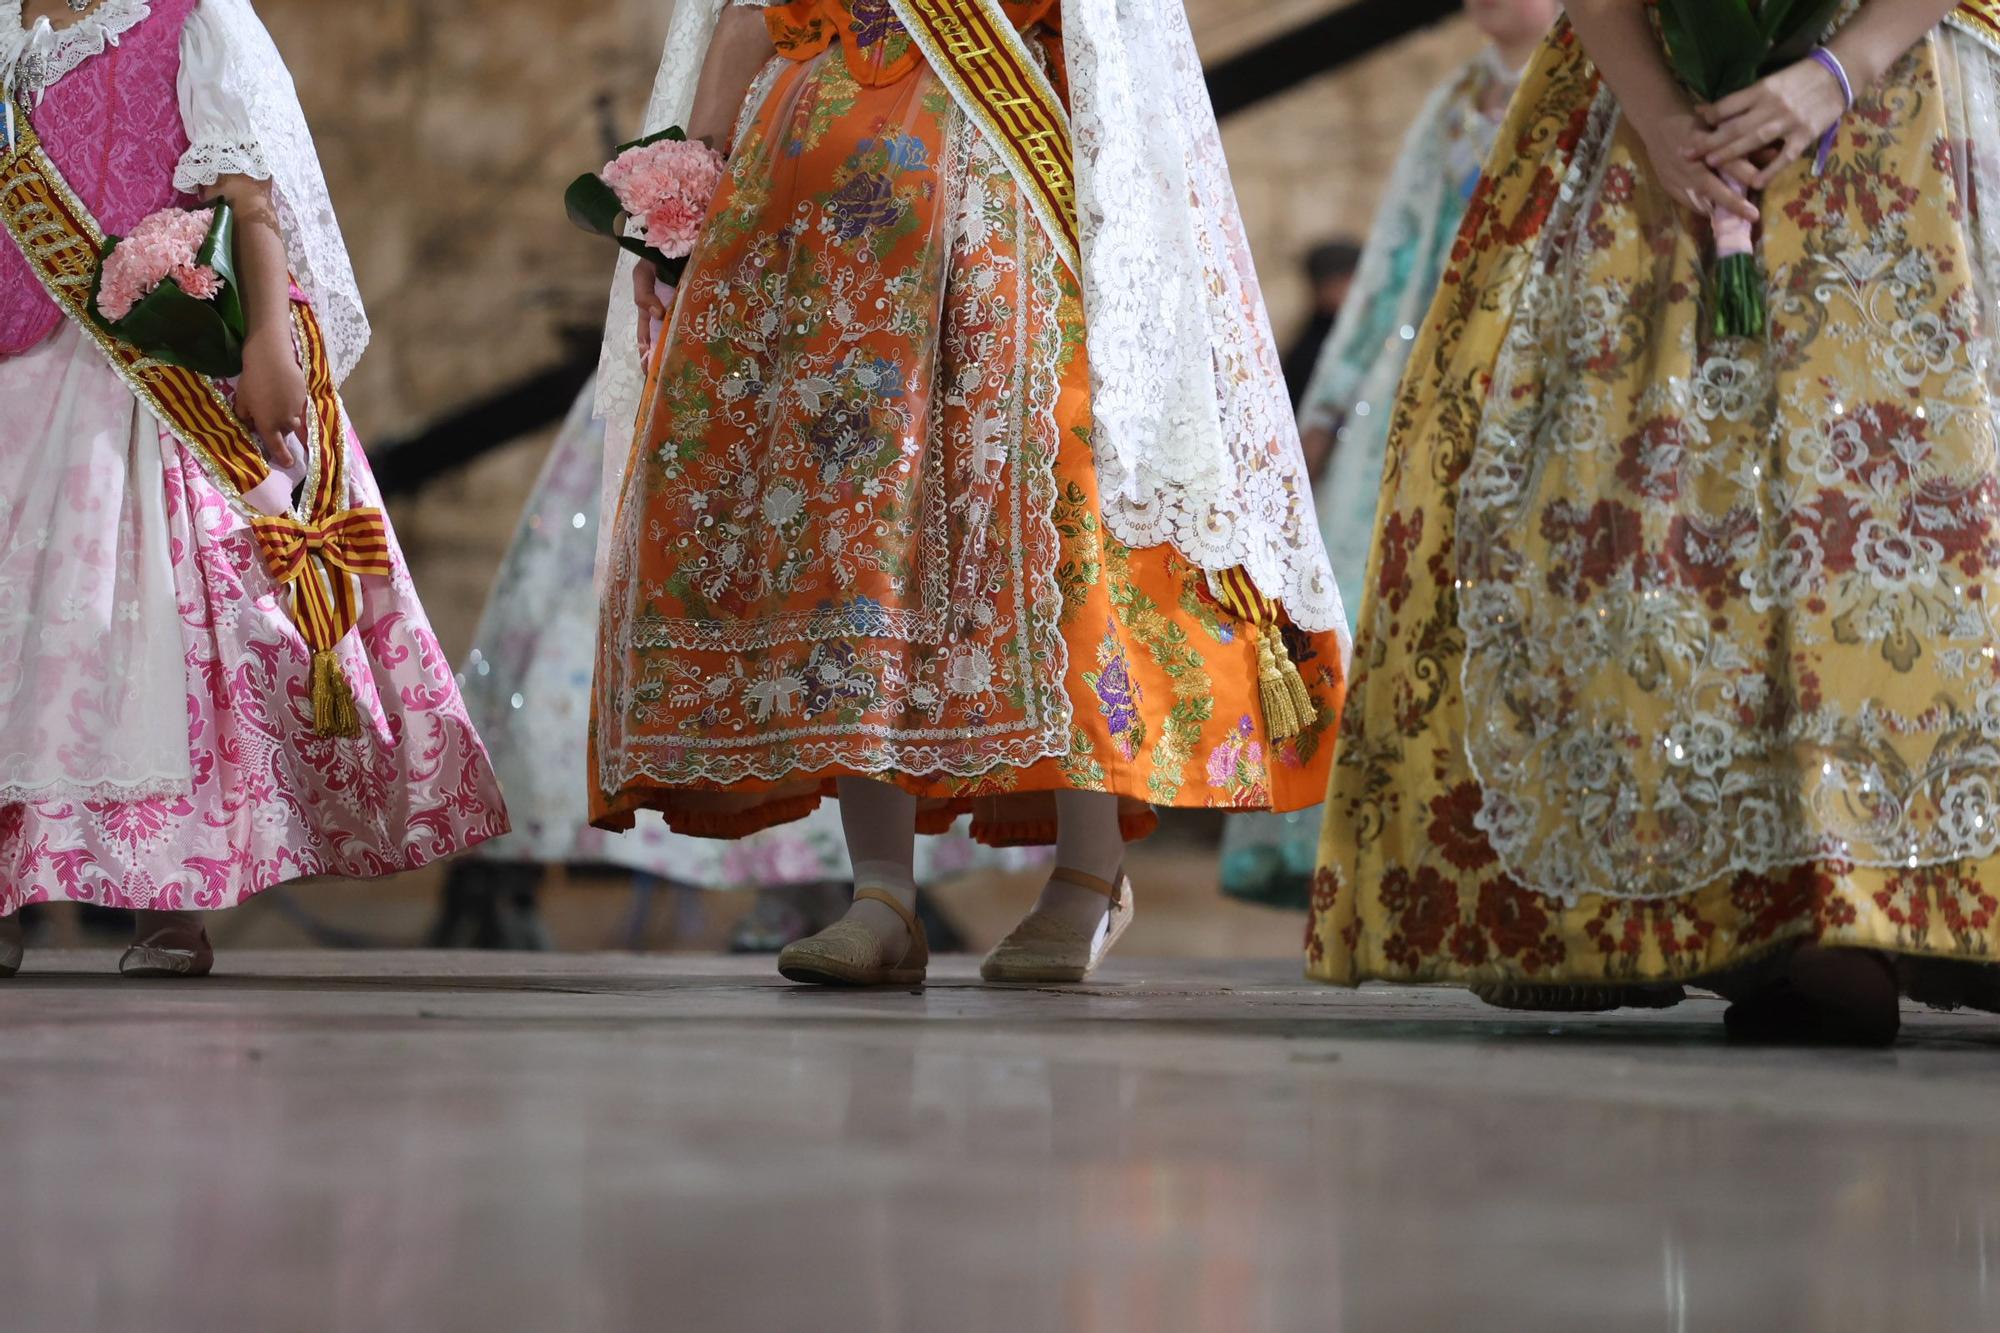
(860,531)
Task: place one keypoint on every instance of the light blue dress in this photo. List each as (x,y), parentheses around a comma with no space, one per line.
(1269,858)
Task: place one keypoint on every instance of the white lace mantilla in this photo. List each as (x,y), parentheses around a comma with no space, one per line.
(242,118)
(1194,439)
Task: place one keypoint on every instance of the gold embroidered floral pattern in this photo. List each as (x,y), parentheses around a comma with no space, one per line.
(1722,605)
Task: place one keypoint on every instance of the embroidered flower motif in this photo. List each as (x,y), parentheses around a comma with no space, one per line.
(1454,828)
(968,672)
(1117,694)
(1237,764)
(783,504)
(866,202)
(874,22)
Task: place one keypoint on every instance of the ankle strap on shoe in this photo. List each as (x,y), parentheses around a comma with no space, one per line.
(889,900)
(1082,880)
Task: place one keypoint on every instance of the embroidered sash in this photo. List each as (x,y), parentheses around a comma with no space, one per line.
(1980,19)
(316,551)
(981,57)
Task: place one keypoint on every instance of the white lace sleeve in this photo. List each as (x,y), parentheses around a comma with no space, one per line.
(1194,439)
(242,118)
(621,376)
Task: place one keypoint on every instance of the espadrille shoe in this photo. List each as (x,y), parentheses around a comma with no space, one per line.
(170,951)
(1047,949)
(13,948)
(847,953)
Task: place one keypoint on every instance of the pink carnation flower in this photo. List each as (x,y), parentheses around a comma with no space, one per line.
(666,188)
(162,246)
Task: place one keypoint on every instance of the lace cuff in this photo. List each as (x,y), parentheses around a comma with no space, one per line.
(206,162)
(242,118)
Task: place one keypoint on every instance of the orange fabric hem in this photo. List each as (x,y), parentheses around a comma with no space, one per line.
(1016,818)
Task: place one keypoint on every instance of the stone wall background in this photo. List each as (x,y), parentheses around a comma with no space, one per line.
(449,127)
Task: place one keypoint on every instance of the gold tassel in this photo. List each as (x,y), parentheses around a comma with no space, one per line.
(1302,701)
(1281,714)
(334,710)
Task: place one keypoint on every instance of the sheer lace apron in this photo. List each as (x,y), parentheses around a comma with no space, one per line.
(91,681)
(850,562)
(1731,605)
(526,684)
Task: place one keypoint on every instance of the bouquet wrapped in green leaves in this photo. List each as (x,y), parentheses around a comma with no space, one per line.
(1720,47)
(169,289)
(652,197)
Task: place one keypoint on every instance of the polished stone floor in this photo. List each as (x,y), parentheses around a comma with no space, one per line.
(447,1143)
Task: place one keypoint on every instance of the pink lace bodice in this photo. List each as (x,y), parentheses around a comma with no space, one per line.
(113,128)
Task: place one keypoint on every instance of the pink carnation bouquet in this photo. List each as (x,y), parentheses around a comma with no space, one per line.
(652,198)
(169,289)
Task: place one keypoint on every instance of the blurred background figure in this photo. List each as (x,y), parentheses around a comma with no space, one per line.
(1346,408)
(1329,270)
(1345,411)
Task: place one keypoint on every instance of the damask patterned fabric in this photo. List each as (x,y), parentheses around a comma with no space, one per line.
(861,532)
(1678,647)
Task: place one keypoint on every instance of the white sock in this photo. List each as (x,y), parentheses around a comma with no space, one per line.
(1087,840)
(880,821)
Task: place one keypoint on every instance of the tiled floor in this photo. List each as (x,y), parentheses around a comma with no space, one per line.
(448,1142)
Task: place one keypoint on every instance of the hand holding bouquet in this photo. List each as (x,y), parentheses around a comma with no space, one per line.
(169,289)
(652,198)
(1719,49)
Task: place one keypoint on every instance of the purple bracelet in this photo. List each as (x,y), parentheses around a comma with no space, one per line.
(1831,63)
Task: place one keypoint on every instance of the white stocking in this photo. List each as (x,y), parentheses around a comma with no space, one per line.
(880,821)
(1087,839)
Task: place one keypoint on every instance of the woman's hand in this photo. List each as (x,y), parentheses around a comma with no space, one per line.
(271,395)
(646,290)
(1672,143)
(1789,111)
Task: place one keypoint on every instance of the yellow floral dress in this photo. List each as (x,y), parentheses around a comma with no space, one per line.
(861,531)
(1676,648)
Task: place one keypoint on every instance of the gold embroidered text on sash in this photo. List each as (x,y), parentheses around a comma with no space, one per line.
(985,63)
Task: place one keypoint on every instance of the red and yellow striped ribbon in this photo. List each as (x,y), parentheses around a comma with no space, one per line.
(317,556)
(1980,18)
(982,58)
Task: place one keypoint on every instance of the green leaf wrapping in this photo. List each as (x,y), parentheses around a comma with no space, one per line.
(1795,28)
(1738,293)
(1719,47)
(594,206)
(171,326)
(1714,46)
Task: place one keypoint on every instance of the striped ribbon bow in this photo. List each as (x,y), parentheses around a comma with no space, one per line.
(356,540)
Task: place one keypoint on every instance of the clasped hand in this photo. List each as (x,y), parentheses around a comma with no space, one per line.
(1708,156)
